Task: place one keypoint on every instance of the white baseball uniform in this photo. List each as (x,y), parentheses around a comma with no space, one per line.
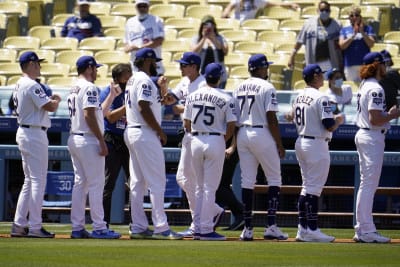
(209,110)
(84,149)
(370,143)
(185,173)
(141,32)
(255,97)
(146,163)
(312,150)
(33,120)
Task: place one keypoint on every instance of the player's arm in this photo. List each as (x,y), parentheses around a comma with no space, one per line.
(115,90)
(230,130)
(228,10)
(52,105)
(231,149)
(331,124)
(149,118)
(90,118)
(273,127)
(187,124)
(113,115)
(379,118)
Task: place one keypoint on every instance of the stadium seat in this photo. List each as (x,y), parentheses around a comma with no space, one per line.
(367,12)
(10,69)
(233,83)
(8,55)
(124,9)
(291,25)
(236,59)
(97,44)
(112,21)
(112,57)
(393,48)
(17,13)
(60,82)
(312,11)
(278,58)
(102,82)
(186,3)
(240,72)
(44,32)
(172,70)
(254,47)
(54,69)
(280,13)
(165,11)
(59,19)
(182,23)
(48,55)
(199,11)
(299,85)
(259,25)
(170,33)
(60,43)
(288,48)
(71,56)
(392,37)
(173,82)
(276,75)
(3,80)
(116,33)
(12,80)
(227,24)
(178,45)
(277,37)
(166,56)
(100,8)
(239,35)
(177,56)
(21,42)
(187,33)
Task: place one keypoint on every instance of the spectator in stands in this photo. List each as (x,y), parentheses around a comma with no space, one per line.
(211,46)
(355,41)
(248,9)
(144,30)
(114,127)
(320,36)
(391,82)
(84,24)
(339,94)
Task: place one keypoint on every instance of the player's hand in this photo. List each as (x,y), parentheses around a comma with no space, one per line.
(339,118)
(289,117)
(291,61)
(103,149)
(163,138)
(115,89)
(229,152)
(394,112)
(168,99)
(281,151)
(55,97)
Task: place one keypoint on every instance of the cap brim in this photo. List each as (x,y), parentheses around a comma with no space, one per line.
(98,65)
(158,59)
(181,61)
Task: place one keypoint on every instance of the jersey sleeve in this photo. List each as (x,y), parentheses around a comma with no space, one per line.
(90,97)
(271,102)
(324,108)
(146,91)
(187,113)
(231,110)
(38,96)
(376,99)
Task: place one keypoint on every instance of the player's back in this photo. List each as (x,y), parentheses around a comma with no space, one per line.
(254,97)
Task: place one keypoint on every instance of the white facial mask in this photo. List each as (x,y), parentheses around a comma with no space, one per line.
(339,83)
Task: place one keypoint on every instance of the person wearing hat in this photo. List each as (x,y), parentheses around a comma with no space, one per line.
(339,94)
(391,82)
(209,117)
(259,132)
(88,150)
(248,9)
(315,122)
(144,31)
(373,122)
(144,138)
(210,45)
(320,37)
(82,25)
(32,106)
(355,41)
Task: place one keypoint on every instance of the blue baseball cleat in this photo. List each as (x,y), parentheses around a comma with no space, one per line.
(105,234)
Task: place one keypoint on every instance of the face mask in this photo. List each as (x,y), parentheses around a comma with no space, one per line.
(142,16)
(324,15)
(338,83)
(153,70)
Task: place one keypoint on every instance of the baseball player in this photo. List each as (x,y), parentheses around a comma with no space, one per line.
(32,106)
(315,122)
(191,81)
(115,124)
(144,137)
(259,142)
(88,150)
(144,31)
(373,123)
(209,117)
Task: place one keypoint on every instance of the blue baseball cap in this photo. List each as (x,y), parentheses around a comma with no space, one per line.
(84,2)
(213,70)
(86,61)
(258,61)
(312,69)
(29,56)
(147,53)
(373,57)
(330,73)
(189,58)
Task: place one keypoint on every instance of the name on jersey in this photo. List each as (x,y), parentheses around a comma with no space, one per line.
(304,99)
(252,88)
(213,99)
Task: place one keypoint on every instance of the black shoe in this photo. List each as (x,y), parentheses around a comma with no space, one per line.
(236,225)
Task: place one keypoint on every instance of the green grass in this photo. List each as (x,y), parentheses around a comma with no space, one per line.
(112,253)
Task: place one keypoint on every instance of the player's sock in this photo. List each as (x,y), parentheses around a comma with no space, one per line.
(312,211)
(273,203)
(301,207)
(247,198)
